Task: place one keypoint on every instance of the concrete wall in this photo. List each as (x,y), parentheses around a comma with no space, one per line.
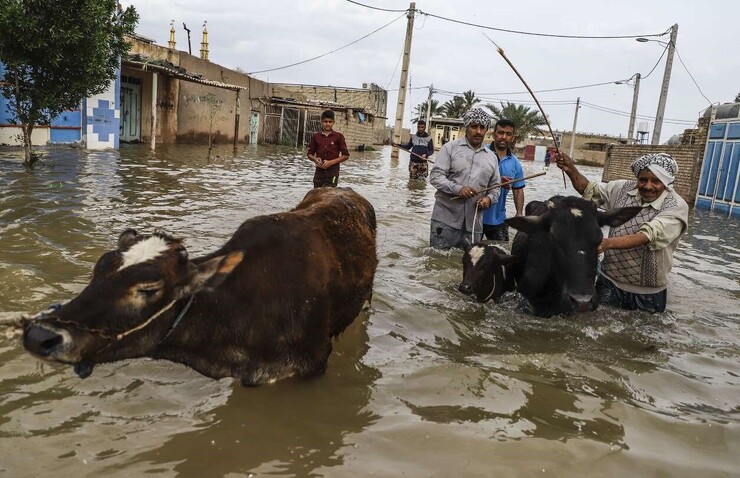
(373,100)
(619,158)
(186,111)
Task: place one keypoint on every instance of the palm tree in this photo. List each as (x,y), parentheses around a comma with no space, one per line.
(526,121)
(421,110)
(470,100)
(455,107)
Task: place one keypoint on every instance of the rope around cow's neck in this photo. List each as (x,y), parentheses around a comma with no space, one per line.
(472,229)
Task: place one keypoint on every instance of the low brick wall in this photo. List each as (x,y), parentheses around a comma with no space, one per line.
(619,157)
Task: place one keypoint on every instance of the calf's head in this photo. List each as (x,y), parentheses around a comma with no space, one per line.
(564,235)
(129,305)
(484,272)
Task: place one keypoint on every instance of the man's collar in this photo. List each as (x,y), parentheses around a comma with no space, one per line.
(657,204)
(466,142)
(325,133)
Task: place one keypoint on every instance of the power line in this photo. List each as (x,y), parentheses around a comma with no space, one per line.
(550,35)
(519,32)
(691,76)
(657,62)
(327,53)
(542,91)
(378,8)
(627,114)
(394,71)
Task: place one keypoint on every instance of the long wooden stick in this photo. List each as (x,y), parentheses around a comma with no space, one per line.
(547,121)
(506,183)
(412,153)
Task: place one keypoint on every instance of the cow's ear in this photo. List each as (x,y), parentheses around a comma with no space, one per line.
(126,238)
(466,244)
(528,224)
(212,273)
(505,258)
(618,216)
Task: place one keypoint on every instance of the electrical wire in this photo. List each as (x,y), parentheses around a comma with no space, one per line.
(691,76)
(394,71)
(657,62)
(377,8)
(627,114)
(519,32)
(549,35)
(327,53)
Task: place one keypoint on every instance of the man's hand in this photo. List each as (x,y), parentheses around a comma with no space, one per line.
(506,179)
(564,162)
(466,192)
(484,202)
(604,245)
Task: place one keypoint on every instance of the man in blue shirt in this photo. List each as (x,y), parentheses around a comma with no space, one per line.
(510,168)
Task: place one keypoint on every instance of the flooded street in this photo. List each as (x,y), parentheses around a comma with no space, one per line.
(426,383)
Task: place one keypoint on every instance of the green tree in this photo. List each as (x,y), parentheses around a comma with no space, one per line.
(526,120)
(455,107)
(459,105)
(420,110)
(470,100)
(56,53)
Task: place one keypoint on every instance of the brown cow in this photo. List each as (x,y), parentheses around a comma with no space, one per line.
(264,306)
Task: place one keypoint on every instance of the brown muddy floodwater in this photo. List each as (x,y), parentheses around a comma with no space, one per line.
(426,383)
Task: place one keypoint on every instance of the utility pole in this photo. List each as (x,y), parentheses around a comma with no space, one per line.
(664,89)
(633,114)
(404,79)
(429,105)
(573,134)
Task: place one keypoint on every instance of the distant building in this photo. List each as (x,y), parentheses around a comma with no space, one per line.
(163,95)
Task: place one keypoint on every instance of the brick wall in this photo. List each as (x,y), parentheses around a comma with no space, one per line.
(356,133)
(619,158)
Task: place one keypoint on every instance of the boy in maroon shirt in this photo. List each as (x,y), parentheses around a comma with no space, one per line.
(327,150)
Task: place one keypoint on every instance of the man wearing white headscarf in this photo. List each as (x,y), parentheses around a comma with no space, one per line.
(462,168)
(638,255)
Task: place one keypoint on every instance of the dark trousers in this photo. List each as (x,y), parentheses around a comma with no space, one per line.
(499,232)
(610,294)
(322,180)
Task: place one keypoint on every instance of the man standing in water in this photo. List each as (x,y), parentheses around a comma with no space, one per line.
(462,168)
(327,150)
(638,255)
(510,168)
(421,146)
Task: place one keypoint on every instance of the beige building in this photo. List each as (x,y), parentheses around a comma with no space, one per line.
(170,96)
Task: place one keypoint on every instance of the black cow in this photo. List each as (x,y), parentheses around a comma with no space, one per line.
(485,271)
(264,306)
(556,250)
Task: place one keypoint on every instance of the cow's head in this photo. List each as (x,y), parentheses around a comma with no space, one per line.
(484,272)
(129,306)
(569,251)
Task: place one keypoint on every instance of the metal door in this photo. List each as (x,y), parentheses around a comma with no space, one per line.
(254,126)
(131,110)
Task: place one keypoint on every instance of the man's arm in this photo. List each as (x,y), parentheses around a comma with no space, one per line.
(623,242)
(430,147)
(519,200)
(495,178)
(578,180)
(439,172)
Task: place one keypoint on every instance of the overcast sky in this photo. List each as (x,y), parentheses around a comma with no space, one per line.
(454,57)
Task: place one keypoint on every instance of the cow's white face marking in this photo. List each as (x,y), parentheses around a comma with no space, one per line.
(476,253)
(576,212)
(550,204)
(143,251)
(583,253)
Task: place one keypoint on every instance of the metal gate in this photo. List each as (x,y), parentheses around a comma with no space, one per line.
(130,128)
(312,124)
(281,125)
(719,185)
